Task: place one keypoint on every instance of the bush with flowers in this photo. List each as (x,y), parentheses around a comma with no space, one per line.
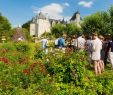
(26,70)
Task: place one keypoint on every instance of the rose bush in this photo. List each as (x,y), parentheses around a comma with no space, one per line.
(32,72)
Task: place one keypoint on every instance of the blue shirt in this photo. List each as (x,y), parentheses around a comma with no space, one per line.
(61,42)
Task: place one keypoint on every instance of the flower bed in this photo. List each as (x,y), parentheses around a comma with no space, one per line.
(26,70)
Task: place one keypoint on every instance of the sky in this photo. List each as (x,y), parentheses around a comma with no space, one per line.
(20,11)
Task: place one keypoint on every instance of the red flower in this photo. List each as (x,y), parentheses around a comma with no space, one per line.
(69,50)
(32,66)
(27,71)
(5,51)
(5,60)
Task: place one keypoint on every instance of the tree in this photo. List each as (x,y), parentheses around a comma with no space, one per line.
(26,29)
(99,22)
(58,30)
(111,18)
(27,34)
(72,29)
(27,25)
(5,26)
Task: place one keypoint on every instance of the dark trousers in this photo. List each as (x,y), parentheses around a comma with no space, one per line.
(105,59)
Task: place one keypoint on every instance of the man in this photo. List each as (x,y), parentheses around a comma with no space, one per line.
(56,43)
(81,42)
(102,54)
(44,44)
(96,53)
(110,50)
(106,49)
(61,42)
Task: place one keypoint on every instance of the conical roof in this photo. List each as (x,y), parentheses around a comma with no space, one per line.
(41,16)
(74,15)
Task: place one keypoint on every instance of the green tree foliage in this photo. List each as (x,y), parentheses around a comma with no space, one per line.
(69,29)
(24,30)
(72,29)
(5,25)
(27,34)
(99,22)
(27,25)
(111,17)
(58,30)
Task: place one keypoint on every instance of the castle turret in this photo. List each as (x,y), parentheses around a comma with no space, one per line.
(41,16)
(76,18)
(39,25)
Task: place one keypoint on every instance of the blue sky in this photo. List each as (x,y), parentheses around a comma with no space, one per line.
(20,11)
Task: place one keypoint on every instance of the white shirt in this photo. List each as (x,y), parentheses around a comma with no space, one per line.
(44,43)
(56,41)
(44,40)
(96,49)
(80,42)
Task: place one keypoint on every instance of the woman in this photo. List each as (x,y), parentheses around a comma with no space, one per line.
(96,49)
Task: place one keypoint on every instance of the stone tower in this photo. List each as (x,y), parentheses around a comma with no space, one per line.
(76,19)
(39,25)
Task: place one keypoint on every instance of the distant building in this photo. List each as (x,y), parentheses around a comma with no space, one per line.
(76,19)
(41,24)
(19,35)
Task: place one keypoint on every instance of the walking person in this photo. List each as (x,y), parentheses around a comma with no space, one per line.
(44,45)
(110,50)
(61,42)
(81,42)
(101,63)
(74,42)
(88,47)
(96,49)
(106,42)
(69,46)
(56,43)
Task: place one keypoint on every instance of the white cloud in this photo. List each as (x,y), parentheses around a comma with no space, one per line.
(67,18)
(54,10)
(86,4)
(35,9)
(66,4)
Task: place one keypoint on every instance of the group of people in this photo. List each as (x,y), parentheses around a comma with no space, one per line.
(99,48)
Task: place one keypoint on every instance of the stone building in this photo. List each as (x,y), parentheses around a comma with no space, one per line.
(76,19)
(41,24)
(19,35)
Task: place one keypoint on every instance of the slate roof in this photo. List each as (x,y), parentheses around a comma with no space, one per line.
(74,15)
(41,16)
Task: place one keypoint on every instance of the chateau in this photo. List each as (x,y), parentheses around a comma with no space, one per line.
(41,24)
